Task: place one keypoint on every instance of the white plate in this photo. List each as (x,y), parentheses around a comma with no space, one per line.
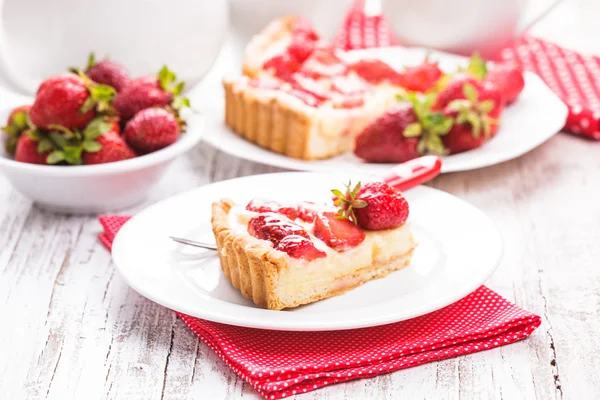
(459,247)
(536,116)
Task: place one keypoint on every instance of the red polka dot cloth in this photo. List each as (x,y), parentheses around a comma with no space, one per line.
(282,364)
(575,78)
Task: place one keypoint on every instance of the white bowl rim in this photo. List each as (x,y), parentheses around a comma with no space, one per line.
(186,141)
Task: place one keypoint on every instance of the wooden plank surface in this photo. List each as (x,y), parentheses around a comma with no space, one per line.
(71,328)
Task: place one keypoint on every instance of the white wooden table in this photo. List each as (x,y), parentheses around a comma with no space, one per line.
(70,328)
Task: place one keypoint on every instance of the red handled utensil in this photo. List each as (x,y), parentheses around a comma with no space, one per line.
(413,173)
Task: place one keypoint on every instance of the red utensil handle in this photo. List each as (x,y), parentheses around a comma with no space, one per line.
(413,173)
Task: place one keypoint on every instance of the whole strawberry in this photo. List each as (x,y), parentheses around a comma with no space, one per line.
(476,117)
(454,90)
(27,151)
(107,72)
(111,147)
(16,124)
(403,132)
(508,79)
(373,206)
(70,101)
(420,78)
(383,140)
(161,90)
(151,129)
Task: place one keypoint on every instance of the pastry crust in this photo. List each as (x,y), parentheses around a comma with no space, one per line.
(280,122)
(255,268)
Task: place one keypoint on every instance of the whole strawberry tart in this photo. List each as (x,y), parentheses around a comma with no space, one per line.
(285,255)
(301,97)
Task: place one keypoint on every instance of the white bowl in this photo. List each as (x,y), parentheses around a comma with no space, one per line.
(97,188)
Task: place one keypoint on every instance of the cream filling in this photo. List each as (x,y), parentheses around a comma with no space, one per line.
(378,248)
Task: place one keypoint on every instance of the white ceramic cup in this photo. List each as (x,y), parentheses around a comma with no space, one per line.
(42,38)
(463,26)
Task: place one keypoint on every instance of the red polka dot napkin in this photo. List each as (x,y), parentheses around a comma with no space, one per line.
(281,364)
(575,78)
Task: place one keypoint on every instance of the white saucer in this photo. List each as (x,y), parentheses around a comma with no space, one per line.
(535,117)
(459,248)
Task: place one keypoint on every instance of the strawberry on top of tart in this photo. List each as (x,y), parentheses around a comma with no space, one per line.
(286,255)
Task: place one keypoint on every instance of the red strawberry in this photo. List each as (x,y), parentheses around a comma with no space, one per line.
(320,89)
(151,129)
(150,91)
(273,228)
(282,66)
(151,80)
(137,97)
(108,73)
(68,77)
(265,206)
(16,124)
(339,234)
(375,71)
(323,62)
(420,78)
(494,95)
(508,79)
(301,47)
(383,140)
(297,246)
(113,148)
(373,206)
(27,152)
(62,101)
(454,90)
(461,138)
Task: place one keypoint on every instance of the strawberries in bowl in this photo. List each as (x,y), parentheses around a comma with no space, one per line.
(72,150)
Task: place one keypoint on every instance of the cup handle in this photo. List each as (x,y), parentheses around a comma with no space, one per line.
(7,75)
(528,22)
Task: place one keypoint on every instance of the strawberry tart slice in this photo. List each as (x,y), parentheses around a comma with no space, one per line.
(286,255)
(303,99)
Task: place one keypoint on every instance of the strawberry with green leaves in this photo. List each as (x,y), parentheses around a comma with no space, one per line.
(405,131)
(372,206)
(69,100)
(476,114)
(17,123)
(27,150)
(162,90)
(152,129)
(107,72)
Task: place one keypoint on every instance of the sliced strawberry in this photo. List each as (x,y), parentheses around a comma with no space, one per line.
(321,89)
(273,228)
(339,234)
(375,71)
(323,62)
(301,47)
(282,66)
(265,206)
(300,247)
